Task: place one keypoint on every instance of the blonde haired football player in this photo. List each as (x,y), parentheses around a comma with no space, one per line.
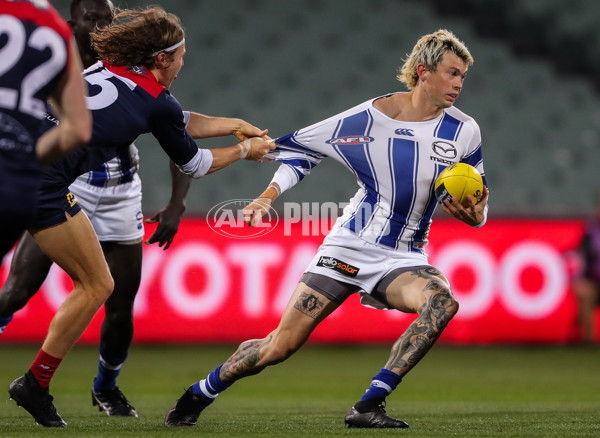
(396,145)
(428,51)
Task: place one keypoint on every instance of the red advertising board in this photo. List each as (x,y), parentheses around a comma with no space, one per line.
(511,277)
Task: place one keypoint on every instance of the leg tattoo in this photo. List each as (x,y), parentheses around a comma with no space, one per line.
(243,362)
(309,304)
(433,318)
(428,273)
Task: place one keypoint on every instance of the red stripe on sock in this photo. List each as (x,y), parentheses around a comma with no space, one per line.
(43,368)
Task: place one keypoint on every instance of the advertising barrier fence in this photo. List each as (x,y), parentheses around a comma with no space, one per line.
(511,277)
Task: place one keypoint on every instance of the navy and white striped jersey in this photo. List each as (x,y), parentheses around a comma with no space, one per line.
(395,163)
(119,170)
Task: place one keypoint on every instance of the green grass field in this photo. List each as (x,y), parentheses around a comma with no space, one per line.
(455,391)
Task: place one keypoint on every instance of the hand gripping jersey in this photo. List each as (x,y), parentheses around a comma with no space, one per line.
(395,163)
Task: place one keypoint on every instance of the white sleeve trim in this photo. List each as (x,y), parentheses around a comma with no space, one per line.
(186,118)
(285,177)
(199,164)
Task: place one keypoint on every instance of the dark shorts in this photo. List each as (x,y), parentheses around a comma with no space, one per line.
(53,203)
(19,183)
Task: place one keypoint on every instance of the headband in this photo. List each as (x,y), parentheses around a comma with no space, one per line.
(168,49)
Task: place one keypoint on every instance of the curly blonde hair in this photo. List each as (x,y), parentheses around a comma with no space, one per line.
(429,50)
(135,35)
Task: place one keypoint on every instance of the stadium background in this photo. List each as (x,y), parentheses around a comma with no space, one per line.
(285,64)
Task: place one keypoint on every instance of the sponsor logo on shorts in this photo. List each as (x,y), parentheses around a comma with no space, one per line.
(71,199)
(338,266)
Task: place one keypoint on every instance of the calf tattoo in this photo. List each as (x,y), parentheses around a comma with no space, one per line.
(309,304)
(243,362)
(434,316)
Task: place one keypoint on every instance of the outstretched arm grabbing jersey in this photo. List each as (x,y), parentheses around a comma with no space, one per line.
(202,126)
(253,145)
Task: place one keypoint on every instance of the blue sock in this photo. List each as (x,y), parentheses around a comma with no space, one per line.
(382,385)
(108,370)
(4,322)
(210,387)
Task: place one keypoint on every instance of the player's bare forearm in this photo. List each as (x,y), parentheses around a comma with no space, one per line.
(244,361)
(420,336)
(223,157)
(202,126)
(180,186)
(252,149)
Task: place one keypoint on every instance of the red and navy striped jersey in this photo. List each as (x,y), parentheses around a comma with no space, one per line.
(34,52)
(125,102)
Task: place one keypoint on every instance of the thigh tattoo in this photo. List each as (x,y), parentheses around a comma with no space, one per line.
(309,304)
(427,273)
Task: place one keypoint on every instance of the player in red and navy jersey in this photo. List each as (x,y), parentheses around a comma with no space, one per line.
(142,54)
(396,145)
(39,61)
(111,197)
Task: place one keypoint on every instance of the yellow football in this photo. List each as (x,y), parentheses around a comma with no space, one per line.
(457,181)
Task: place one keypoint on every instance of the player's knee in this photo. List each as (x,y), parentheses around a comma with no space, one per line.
(442,303)
(108,285)
(119,305)
(450,303)
(452,306)
(101,288)
(11,300)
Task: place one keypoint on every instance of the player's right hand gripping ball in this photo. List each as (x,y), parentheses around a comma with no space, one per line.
(457,181)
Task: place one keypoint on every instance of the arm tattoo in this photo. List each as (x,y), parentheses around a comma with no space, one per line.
(309,304)
(243,362)
(433,318)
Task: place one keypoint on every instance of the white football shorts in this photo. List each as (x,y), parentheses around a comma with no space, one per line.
(115,212)
(347,258)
